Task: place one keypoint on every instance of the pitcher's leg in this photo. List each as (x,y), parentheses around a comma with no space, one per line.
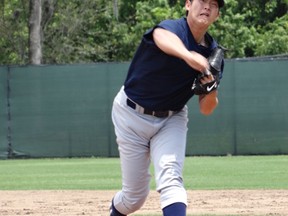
(134,156)
(168,155)
(135,179)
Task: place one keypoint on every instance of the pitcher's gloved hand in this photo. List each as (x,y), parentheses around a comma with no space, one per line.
(204,84)
(209,80)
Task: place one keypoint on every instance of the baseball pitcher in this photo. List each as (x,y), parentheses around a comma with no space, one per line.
(175,61)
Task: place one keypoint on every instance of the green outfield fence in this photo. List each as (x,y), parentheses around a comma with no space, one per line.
(65,110)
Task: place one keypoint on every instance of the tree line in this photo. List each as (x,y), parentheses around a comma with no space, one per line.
(86,31)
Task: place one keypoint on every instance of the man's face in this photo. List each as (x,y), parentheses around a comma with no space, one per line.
(203,12)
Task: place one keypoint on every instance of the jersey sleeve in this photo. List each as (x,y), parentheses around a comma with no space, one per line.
(173,26)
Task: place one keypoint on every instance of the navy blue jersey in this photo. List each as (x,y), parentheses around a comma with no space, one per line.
(158,81)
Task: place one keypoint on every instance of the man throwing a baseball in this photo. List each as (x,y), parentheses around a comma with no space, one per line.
(176,60)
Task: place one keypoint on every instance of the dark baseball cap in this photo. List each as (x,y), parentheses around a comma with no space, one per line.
(221,3)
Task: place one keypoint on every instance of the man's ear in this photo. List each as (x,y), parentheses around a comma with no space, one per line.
(187,4)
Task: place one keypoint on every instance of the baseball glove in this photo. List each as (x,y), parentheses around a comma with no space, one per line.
(215,62)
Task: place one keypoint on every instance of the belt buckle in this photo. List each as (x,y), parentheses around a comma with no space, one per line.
(160,114)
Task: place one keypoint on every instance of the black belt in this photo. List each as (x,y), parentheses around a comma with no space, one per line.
(142,110)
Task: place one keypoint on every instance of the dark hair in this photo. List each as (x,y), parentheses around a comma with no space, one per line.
(184,6)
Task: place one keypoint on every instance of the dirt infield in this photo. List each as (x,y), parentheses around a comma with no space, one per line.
(95,203)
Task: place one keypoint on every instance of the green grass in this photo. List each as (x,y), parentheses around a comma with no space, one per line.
(212,173)
(242,172)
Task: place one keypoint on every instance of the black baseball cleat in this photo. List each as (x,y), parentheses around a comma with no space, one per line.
(113,211)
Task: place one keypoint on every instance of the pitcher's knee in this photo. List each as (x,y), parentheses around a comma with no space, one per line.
(134,202)
(135,205)
(130,201)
